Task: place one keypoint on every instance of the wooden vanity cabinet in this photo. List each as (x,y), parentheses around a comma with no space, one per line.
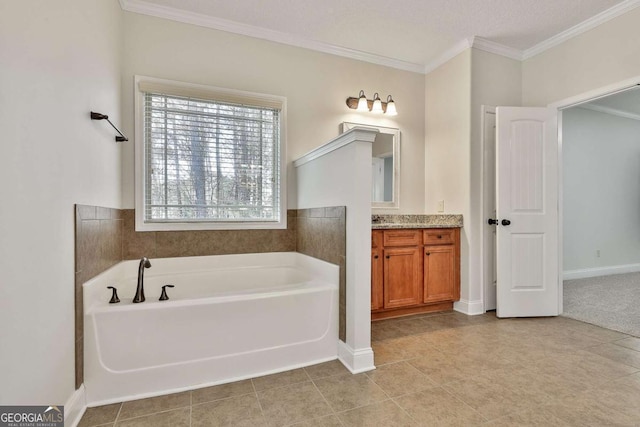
(377,260)
(414,271)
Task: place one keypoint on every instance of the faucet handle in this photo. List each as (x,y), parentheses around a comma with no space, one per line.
(114,295)
(163,295)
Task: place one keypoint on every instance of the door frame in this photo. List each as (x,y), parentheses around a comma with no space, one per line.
(559,106)
(484,110)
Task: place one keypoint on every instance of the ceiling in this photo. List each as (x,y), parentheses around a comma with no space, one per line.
(409,34)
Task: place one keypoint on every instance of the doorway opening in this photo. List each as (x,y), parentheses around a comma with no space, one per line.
(601,211)
(568,107)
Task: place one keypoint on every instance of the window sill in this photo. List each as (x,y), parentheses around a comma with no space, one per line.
(202,226)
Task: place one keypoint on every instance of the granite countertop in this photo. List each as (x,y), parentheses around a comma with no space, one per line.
(379,222)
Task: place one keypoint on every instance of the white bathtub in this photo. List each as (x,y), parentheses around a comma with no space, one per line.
(229,317)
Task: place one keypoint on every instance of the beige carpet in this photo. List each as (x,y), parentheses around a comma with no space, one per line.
(612,302)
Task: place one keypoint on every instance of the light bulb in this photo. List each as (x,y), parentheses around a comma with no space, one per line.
(362,102)
(391,107)
(377,105)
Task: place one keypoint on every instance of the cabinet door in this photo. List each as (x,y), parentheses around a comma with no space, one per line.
(439,273)
(402,276)
(377,295)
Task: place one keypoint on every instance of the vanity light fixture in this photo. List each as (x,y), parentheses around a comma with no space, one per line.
(376,106)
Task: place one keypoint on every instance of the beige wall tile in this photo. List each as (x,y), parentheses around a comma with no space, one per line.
(135,245)
(98,246)
(85,212)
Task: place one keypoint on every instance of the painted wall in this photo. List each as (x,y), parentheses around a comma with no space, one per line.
(447,148)
(495,81)
(60,60)
(342,177)
(601,188)
(316,86)
(604,55)
(454,95)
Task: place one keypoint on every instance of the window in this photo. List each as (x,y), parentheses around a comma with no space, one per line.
(208,158)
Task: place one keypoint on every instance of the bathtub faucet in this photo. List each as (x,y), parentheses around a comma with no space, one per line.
(144,263)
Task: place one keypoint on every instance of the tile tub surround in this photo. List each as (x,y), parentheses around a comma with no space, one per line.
(415,221)
(106,236)
(321,233)
(98,246)
(167,244)
(439,369)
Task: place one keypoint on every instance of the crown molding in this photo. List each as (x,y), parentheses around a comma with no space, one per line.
(584,26)
(611,111)
(146,8)
(497,48)
(448,54)
(151,9)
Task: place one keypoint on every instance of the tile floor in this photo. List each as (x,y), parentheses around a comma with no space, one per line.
(432,370)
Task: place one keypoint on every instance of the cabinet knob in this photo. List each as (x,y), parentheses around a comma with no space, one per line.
(375,257)
(439,236)
(427,253)
(387,257)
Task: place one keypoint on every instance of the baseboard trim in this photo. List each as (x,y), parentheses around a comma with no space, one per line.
(356,361)
(471,308)
(600,271)
(74,407)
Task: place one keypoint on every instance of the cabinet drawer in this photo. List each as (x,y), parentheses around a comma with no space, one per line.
(376,239)
(439,236)
(402,237)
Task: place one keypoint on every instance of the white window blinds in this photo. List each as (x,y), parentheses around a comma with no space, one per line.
(210,159)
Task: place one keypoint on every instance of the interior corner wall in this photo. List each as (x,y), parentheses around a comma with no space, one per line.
(447,146)
(60,60)
(315,84)
(607,54)
(601,187)
(495,81)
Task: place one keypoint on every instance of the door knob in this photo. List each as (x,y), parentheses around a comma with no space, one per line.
(492,221)
(506,222)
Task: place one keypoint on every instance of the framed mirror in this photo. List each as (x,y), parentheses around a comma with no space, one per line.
(385,165)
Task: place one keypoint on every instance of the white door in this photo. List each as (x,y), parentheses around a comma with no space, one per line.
(527,212)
